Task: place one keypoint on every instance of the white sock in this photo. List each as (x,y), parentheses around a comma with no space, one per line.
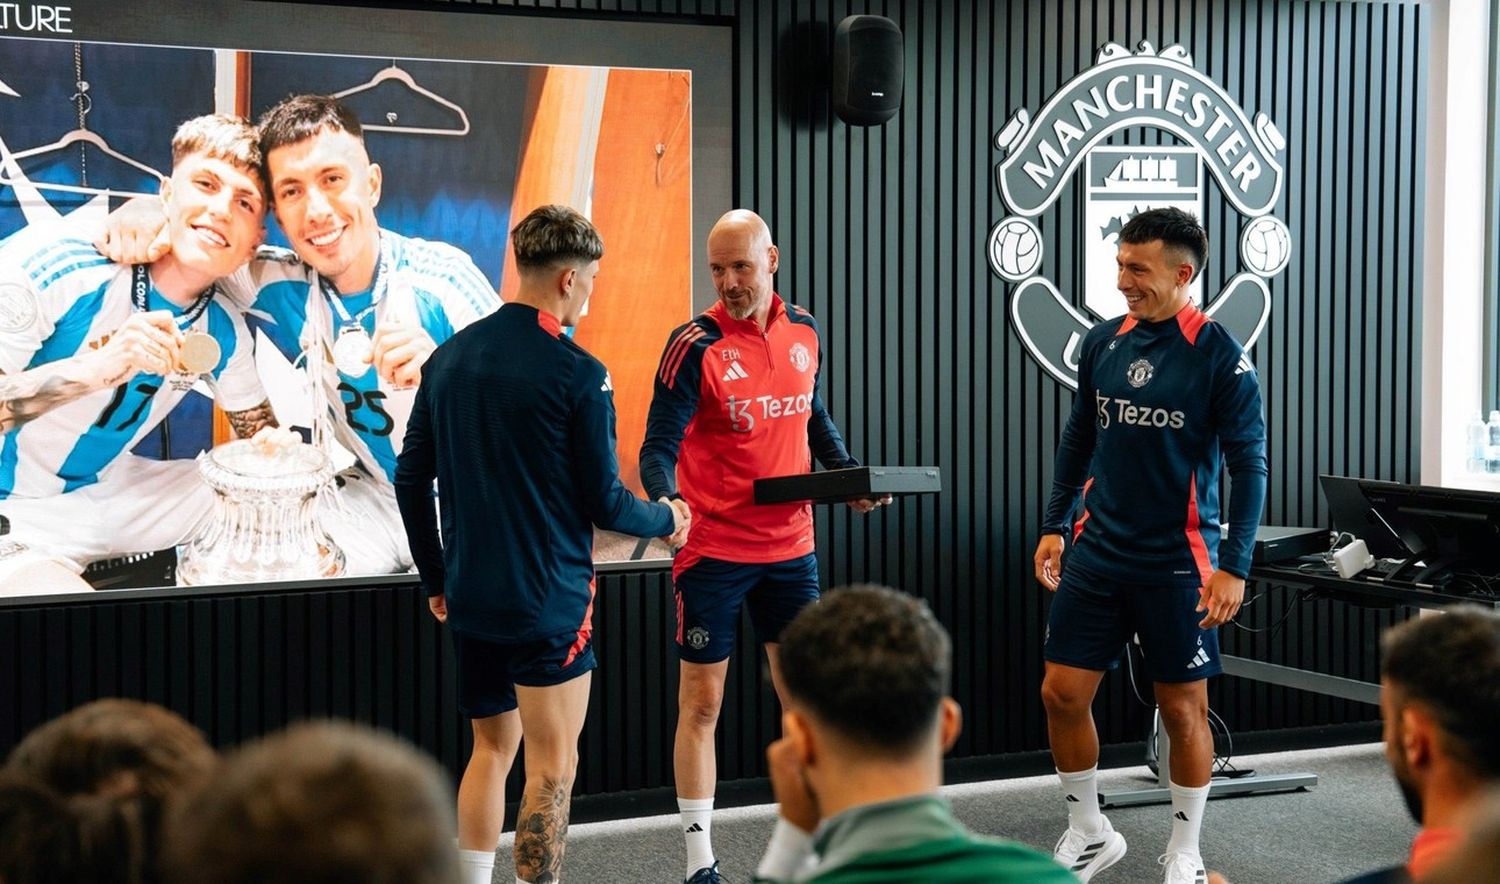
(1081,791)
(478,866)
(1187,816)
(697,820)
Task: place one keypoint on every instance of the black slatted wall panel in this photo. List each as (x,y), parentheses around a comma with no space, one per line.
(882,233)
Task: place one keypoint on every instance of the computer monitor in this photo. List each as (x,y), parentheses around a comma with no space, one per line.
(1352,514)
(1448,531)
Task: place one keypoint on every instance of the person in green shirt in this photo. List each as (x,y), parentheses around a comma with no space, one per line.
(856,773)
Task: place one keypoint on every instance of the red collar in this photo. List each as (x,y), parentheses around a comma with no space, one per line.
(726,322)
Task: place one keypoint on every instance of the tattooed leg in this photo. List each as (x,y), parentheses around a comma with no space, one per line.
(542,830)
(551,719)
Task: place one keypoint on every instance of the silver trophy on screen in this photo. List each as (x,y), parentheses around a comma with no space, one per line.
(265,522)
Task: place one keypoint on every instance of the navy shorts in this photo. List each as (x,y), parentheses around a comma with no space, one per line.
(710,593)
(488,672)
(1092,619)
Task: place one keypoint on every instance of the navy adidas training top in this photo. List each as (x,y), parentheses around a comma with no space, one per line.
(1161,406)
(517,424)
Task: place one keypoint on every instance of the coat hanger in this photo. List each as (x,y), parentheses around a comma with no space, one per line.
(401,76)
(10,170)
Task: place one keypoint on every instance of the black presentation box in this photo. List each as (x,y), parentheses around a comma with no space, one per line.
(837,486)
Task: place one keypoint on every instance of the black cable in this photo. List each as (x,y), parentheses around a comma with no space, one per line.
(1130,675)
(1297,597)
(1222,763)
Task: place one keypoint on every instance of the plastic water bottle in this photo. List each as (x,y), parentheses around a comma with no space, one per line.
(1478,444)
(1492,452)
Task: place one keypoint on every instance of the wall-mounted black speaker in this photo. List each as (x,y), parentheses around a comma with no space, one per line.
(868,70)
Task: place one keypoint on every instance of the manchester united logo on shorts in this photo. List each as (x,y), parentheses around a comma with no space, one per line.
(697,638)
(801,359)
(1139,373)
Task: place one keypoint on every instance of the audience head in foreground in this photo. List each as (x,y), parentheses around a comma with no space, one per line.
(326,803)
(866,723)
(1440,702)
(84,796)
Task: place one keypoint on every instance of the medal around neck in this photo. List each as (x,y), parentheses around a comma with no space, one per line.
(352,351)
(200,353)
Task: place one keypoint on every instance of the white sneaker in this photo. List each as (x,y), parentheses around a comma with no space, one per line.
(1182,867)
(1087,855)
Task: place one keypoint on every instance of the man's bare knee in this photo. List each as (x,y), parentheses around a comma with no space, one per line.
(1065,698)
(700,697)
(701,711)
(551,762)
(1182,715)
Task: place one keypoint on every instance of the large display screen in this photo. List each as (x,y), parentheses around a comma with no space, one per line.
(469,120)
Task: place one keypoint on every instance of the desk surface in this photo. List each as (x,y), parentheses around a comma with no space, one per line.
(1365,589)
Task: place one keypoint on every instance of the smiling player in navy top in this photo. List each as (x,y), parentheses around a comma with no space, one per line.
(1166,399)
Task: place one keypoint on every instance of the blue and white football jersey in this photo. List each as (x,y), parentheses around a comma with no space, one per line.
(431,283)
(60,298)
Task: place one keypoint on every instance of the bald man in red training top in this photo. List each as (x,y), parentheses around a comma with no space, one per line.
(736,400)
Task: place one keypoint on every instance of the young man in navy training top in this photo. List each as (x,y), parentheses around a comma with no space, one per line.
(1165,398)
(517,424)
(736,400)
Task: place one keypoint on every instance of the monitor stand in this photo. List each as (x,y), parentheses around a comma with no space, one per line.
(1218,786)
(1428,570)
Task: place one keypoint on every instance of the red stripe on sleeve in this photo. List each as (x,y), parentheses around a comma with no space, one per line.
(675,353)
(671,352)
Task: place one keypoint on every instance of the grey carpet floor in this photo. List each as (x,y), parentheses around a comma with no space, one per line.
(1353,820)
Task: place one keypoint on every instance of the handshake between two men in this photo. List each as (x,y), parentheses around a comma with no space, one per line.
(682,520)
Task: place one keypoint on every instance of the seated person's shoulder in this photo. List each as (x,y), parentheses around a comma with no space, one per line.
(1001,860)
(958,860)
